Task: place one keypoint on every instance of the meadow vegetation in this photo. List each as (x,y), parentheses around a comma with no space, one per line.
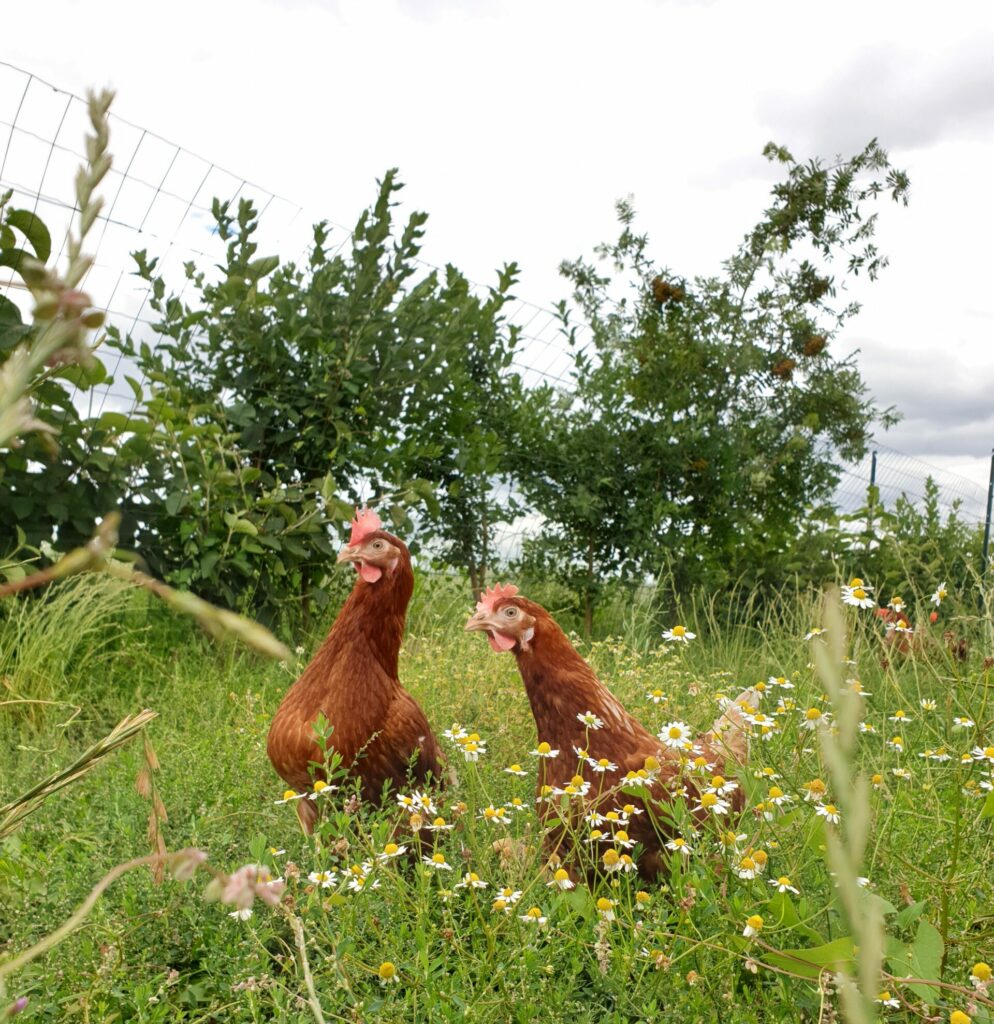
(624,951)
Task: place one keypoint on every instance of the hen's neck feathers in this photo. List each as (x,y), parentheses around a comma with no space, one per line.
(373,617)
(561,685)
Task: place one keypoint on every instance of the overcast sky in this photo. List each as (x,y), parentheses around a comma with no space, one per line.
(517,126)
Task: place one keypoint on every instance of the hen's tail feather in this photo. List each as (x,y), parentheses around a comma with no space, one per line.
(730,732)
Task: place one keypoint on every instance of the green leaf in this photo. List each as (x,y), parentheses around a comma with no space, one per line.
(238,525)
(34,230)
(987,811)
(809,963)
(910,913)
(783,914)
(258,269)
(114,422)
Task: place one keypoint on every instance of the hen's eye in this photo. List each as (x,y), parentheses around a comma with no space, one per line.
(510,612)
(378,545)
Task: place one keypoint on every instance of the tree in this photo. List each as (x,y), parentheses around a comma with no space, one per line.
(711,413)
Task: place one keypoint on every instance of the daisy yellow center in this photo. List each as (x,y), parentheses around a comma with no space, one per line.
(812,714)
(679,630)
(775,792)
(500,904)
(816,786)
(760,857)
(438,858)
(674,732)
(562,875)
(387,970)
(831,809)
(783,880)
(629,808)
(859,593)
(876,779)
(621,836)
(515,768)
(289,794)
(603,762)
(544,748)
(747,864)
(982,971)
(604,904)
(679,842)
(612,816)
(855,582)
(989,752)
(657,693)
(709,800)
(642,896)
(535,912)
(611,857)
(319,785)
(717,782)
(651,764)
(755,922)
(490,812)
(391,848)
(438,822)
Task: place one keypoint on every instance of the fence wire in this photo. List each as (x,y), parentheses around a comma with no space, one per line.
(158,198)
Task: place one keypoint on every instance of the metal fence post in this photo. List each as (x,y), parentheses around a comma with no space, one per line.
(987,522)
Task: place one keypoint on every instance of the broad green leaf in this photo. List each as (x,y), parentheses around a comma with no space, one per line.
(783,914)
(238,525)
(34,230)
(809,963)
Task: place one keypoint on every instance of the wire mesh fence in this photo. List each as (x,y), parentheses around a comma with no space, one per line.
(158,199)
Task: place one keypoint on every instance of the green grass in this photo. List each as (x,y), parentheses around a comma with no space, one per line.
(153,952)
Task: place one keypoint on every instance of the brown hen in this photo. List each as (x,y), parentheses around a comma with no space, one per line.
(562,688)
(378,728)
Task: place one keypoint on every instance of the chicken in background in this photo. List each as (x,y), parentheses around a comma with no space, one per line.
(599,743)
(378,729)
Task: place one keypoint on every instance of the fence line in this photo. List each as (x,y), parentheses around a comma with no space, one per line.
(161,201)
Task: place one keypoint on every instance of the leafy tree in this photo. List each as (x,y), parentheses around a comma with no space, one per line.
(711,413)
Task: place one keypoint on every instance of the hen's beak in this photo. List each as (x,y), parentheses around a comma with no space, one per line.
(349,553)
(478,622)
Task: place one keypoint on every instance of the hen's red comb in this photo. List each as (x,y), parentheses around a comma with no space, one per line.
(365,522)
(494,594)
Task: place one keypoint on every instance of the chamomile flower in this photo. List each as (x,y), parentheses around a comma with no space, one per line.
(656,696)
(511,896)
(675,735)
(926,704)
(387,973)
(940,754)
(515,769)
(867,728)
(357,882)
(534,916)
(857,594)
(896,603)
(622,839)
(711,803)
(814,632)
(590,720)
(436,861)
(731,841)
(321,788)
(605,908)
(747,868)
(678,634)
(983,754)
(456,733)
(495,815)
(778,797)
(814,718)
(473,750)
(829,812)
(701,766)
(561,880)
(901,716)
(516,804)
(753,926)
(602,765)
(722,786)
(289,796)
(323,879)
(782,681)
(630,811)
(963,723)
(959,1017)
(784,884)
(981,973)
(242,914)
(390,851)
(642,900)
(855,686)
(886,999)
(814,791)
(544,750)
(901,773)
(439,825)
(939,595)
(896,743)
(680,845)
(471,880)
(274,852)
